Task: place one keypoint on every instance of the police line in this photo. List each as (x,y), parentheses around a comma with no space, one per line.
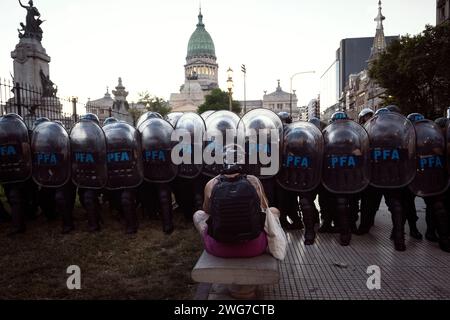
(388,152)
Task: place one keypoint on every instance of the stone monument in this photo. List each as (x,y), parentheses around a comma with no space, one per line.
(31,66)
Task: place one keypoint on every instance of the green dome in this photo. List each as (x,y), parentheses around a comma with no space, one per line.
(201,43)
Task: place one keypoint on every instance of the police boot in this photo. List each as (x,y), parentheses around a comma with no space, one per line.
(344,220)
(128,201)
(414,232)
(64,207)
(92,208)
(166,208)
(309,212)
(430,234)
(366,223)
(398,231)
(16,201)
(442,223)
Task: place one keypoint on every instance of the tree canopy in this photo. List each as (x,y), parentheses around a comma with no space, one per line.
(218,100)
(154,103)
(415,71)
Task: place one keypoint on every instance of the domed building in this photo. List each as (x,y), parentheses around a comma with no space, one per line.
(200,71)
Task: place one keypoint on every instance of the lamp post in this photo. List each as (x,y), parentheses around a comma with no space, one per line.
(244,70)
(290,92)
(230,87)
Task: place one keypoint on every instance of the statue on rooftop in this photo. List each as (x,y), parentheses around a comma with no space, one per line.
(32,28)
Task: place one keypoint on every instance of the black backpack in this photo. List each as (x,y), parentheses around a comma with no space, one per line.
(235,211)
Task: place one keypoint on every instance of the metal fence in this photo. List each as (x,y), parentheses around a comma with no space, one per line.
(31,104)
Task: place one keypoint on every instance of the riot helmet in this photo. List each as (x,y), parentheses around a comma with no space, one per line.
(90,117)
(109,121)
(60,123)
(13,115)
(340,115)
(365,115)
(382,110)
(146,116)
(38,121)
(285,117)
(315,121)
(415,117)
(394,108)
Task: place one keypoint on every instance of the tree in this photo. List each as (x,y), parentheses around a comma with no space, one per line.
(218,100)
(415,71)
(154,103)
(135,113)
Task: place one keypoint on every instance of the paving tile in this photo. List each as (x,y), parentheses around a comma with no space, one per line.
(327,271)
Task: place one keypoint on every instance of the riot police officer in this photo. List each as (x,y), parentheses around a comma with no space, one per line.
(260,128)
(15,171)
(50,147)
(188,187)
(432,179)
(365,115)
(345,171)
(370,197)
(159,171)
(287,200)
(301,170)
(89,165)
(393,167)
(125,169)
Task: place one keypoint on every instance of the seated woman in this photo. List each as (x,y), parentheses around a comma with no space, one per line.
(233,220)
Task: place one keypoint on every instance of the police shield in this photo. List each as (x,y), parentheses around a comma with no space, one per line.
(15,153)
(346,157)
(302,157)
(448,147)
(221,129)
(191,127)
(262,130)
(206,114)
(124,156)
(157,146)
(392,150)
(146,116)
(88,148)
(50,148)
(173,118)
(431,175)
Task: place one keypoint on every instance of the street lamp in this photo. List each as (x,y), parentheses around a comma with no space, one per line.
(290,92)
(230,87)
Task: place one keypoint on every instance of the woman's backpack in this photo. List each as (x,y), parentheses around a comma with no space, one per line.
(235,211)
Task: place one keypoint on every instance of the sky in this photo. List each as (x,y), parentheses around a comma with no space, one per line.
(93,42)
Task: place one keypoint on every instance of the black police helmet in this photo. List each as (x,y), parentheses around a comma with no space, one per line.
(90,117)
(285,117)
(109,121)
(415,117)
(340,115)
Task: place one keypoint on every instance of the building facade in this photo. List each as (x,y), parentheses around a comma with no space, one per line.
(361,91)
(351,58)
(200,72)
(314,109)
(279,101)
(108,106)
(442,11)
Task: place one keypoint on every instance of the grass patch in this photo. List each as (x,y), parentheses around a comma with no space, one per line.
(149,265)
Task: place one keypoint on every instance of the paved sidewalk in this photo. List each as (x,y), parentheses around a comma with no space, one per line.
(329,271)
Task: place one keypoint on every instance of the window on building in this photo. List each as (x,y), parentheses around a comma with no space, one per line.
(280,106)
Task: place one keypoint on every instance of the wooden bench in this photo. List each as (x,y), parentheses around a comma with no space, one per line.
(241,275)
